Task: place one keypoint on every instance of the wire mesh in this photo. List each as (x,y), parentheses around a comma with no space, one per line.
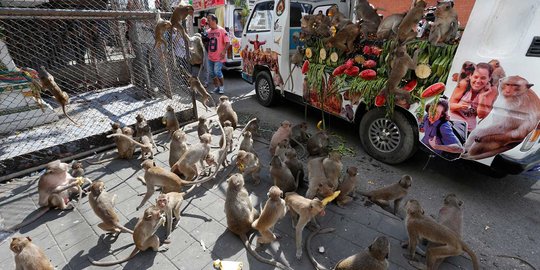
(101,53)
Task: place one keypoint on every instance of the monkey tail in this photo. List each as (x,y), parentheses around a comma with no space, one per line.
(124,136)
(98,263)
(123,228)
(304,153)
(100,161)
(272,262)
(471,253)
(316,264)
(64,110)
(41,212)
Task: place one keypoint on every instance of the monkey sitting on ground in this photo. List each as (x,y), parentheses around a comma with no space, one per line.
(318,144)
(225,112)
(248,163)
(253,127)
(396,192)
(169,203)
(170,120)
(332,168)
(281,148)
(28,255)
(374,258)
(124,145)
(515,113)
(240,215)
(299,134)
(401,63)
(144,235)
(47,82)
(202,126)
(407,28)
(369,16)
(196,86)
(187,164)
(295,166)
(177,147)
(146,145)
(247,142)
(318,183)
(283,132)
(282,176)
(77,169)
(445,27)
(142,128)
(227,136)
(273,211)
(347,186)
(421,227)
(103,205)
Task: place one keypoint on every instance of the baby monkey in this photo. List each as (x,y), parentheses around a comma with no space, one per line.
(273,211)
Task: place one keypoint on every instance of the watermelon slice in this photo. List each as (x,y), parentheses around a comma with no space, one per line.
(433,90)
(380,100)
(368,74)
(305,67)
(410,86)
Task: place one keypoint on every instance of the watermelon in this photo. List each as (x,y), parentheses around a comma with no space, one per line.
(433,90)
(410,86)
(366,50)
(339,70)
(349,63)
(305,67)
(380,100)
(369,64)
(352,71)
(368,74)
(376,50)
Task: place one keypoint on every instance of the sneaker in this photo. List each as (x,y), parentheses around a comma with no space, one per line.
(216,90)
(221,90)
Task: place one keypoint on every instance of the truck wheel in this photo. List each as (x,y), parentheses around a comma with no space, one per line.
(264,88)
(390,140)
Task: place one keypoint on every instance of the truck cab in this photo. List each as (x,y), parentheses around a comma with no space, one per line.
(475,80)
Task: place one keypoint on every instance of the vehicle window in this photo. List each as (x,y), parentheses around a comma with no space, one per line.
(238,22)
(297,11)
(261,18)
(322,9)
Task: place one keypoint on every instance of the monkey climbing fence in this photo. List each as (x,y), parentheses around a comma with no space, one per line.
(101,53)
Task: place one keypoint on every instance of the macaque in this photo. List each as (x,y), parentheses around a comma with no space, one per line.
(47,82)
(318,183)
(302,211)
(226,112)
(389,26)
(146,145)
(228,136)
(170,203)
(318,144)
(515,113)
(451,216)
(247,142)
(281,148)
(299,133)
(186,165)
(282,176)
(162,25)
(144,235)
(445,27)
(240,215)
(142,128)
(284,132)
(197,51)
(374,258)
(344,38)
(170,120)
(178,147)
(179,15)
(197,86)
(295,166)
(273,211)
(103,205)
(77,169)
(407,28)
(337,19)
(332,168)
(202,127)
(401,63)
(498,72)
(252,126)
(28,256)
(421,227)
(347,186)
(248,163)
(396,192)
(369,16)
(124,145)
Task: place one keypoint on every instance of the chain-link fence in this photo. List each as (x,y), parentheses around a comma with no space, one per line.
(101,53)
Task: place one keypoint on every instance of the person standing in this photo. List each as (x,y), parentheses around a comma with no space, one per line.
(218,44)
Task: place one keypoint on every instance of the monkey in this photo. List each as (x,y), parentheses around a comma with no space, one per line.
(283,132)
(186,165)
(227,136)
(170,120)
(197,86)
(337,19)
(347,186)
(318,183)
(318,144)
(332,168)
(498,72)
(202,127)
(299,133)
(419,226)
(396,192)
(247,142)
(407,27)
(369,16)
(28,255)
(273,211)
(169,203)
(253,127)
(302,211)
(146,145)
(198,53)
(240,215)
(445,27)
(180,14)
(226,112)
(77,169)
(144,235)
(344,38)
(374,258)
(124,146)
(177,147)
(281,148)
(142,128)
(295,166)
(248,163)
(211,158)
(389,26)
(282,176)
(103,205)
(55,187)
(47,82)
(161,26)
(297,59)
(515,113)
(401,63)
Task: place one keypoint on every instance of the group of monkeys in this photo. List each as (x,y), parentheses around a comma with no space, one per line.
(324,177)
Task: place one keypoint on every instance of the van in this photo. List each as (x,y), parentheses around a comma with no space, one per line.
(471,98)
(232,18)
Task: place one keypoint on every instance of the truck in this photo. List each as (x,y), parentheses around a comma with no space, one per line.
(472,97)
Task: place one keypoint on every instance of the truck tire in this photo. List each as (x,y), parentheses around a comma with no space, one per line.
(390,140)
(264,88)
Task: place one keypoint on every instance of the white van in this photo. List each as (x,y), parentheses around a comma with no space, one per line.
(487,114)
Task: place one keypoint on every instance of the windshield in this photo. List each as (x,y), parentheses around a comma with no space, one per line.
(239,21)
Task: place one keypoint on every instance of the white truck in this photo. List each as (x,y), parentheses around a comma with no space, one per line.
(487,108)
